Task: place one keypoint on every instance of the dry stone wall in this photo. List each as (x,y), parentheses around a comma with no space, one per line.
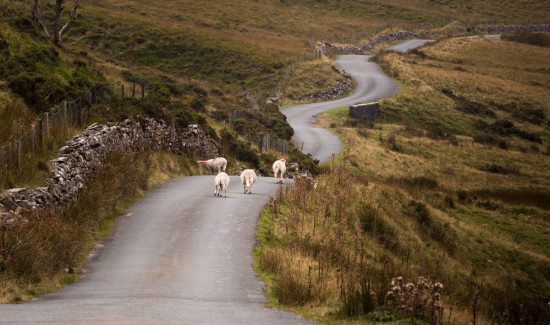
(344,86)
(404,35)
(84,154)
(514,29)
(397,36)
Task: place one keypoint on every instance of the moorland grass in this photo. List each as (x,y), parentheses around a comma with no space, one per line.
(416,195)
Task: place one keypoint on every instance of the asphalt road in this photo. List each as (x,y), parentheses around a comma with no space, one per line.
(371,85)
(407,45)
(182,256)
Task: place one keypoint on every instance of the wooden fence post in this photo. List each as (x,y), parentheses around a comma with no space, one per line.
(32,141)
(19,154)
(47,125)
(93,95)
(142,90)
(122,92)
(9,155)
(133,90)
(65,115)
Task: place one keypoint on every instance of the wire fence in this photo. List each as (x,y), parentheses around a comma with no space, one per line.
(269,142)
(58,123)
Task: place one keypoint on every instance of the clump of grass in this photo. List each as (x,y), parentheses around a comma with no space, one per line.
(499,169)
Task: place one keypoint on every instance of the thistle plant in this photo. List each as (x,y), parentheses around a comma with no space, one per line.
(422,300)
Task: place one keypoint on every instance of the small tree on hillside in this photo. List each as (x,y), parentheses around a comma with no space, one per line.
(58,29)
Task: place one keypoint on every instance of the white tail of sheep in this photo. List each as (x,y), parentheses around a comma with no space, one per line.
(248,177)
(279,168)
(218,164)
(222,183)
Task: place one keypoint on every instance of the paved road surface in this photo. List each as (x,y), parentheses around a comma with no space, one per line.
(372,85)
(183,256)
(407,45)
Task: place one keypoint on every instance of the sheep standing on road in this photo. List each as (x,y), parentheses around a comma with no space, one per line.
(222,183)
(279,167)
(218,164)
(248,177)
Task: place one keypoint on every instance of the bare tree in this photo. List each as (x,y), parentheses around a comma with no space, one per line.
(59,30)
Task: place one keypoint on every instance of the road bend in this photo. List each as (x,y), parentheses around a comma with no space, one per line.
(183,256)
(371,85)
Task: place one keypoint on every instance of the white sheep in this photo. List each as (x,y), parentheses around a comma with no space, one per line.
(218,164)
(248,177)
(279,167)
(222,183)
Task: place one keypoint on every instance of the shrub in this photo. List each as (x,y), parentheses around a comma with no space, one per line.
(527,37)
(231,145)
(198,104)
(498,169)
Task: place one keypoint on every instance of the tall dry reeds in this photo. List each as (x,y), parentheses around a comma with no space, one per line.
(339,243)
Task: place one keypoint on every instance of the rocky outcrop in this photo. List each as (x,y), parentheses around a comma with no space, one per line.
(84,154)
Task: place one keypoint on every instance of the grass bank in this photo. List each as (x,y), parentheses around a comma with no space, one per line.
(48,252)
(450,185)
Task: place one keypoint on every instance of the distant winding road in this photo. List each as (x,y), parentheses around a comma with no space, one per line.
(372,85)
(183,256)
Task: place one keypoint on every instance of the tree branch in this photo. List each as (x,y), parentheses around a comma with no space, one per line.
(37,17)
(60,31)
(67,25)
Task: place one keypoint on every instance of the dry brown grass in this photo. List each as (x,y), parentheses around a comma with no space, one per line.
(42,247)
(422,198)
(308,77)
(16,116)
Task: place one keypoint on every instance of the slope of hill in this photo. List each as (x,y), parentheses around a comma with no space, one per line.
(450,184)
(430,167)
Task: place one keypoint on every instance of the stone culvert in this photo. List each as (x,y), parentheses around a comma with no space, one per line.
(83,155)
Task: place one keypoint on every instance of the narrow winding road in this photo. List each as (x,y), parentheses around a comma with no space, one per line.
(371,85)
(183,256)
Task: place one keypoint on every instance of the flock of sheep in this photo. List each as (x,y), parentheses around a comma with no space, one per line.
(248,176)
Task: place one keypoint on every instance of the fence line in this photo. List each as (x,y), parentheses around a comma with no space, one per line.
(269,142)
(59,120)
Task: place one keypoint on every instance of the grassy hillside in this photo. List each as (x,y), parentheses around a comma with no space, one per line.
(450,184)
